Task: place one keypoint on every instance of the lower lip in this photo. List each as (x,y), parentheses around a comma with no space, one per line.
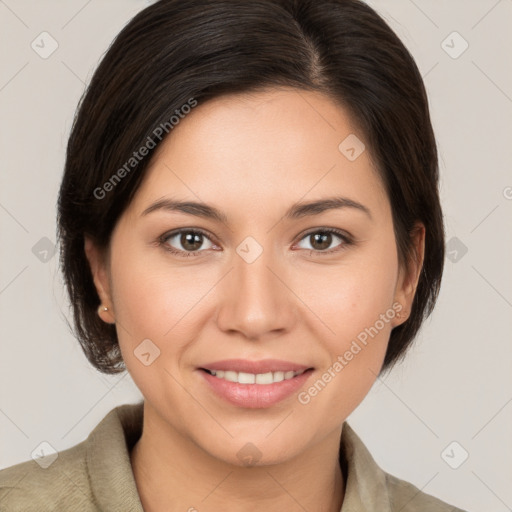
(255,396)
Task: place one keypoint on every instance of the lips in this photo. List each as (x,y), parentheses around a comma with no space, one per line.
(254,384)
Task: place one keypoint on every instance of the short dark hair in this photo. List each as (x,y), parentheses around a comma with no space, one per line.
(174,51)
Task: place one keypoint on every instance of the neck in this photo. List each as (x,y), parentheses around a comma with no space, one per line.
(167,479)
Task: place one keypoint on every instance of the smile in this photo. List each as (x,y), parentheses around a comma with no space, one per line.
(254,384)
(254,378)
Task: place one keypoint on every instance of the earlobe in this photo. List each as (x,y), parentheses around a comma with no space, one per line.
(97,264)
(103,313)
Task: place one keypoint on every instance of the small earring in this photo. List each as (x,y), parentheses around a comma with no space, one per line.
(398,315)
(101,309)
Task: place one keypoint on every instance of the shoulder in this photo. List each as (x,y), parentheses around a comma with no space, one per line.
(370,488)
(93,475)
(47,484)
(406,497)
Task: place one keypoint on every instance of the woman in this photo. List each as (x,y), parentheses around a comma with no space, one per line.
(250,225)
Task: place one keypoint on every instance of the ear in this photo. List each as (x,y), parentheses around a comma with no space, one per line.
(409,274)
(97,258)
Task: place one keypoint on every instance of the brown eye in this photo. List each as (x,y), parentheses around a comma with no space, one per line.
(191,241)
(323,239)
(186,241)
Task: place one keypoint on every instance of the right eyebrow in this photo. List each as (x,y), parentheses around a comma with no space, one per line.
(190,207)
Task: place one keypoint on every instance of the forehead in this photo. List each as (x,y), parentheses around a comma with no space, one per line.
(250,152)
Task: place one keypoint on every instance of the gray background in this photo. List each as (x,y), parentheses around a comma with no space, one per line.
(454,386)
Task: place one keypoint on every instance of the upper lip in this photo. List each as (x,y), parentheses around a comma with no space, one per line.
(248,366)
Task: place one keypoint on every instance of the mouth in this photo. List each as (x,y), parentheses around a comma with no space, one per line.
(254,384)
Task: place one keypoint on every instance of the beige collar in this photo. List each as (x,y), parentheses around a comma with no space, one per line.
(114,487)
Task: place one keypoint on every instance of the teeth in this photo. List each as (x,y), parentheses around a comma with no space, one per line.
(279,376)
(251,378)
(231,376)
(260,378)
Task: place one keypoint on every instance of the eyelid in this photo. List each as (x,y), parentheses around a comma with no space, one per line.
(179,231)
(325,229)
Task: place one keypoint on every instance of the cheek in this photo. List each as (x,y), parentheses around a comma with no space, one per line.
(350,297)
(159,301)
(354,301)
(153,305)
(147,302)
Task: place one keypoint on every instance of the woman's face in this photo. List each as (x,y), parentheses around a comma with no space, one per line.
(266,283)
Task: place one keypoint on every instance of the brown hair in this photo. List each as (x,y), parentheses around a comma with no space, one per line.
(176,50)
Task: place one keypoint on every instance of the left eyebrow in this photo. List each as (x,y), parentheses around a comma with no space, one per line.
(299,210)
(296,211)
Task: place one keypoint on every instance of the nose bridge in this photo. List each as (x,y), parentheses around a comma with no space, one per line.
(254,300)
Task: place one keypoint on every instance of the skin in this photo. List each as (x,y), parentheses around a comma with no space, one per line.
(252,156)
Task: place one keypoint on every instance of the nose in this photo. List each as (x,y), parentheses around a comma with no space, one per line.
(255,299)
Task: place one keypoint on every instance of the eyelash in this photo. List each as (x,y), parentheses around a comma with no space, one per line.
(162,241)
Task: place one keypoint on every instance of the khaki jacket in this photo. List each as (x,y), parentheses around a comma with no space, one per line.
(96,475)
